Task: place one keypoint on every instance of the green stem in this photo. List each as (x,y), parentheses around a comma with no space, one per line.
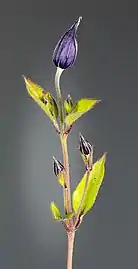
(89,168)
(59,96)
(82,199)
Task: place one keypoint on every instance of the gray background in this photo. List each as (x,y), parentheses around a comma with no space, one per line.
(106,68)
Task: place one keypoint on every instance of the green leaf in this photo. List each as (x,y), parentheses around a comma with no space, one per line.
(68,216)
(55,211)
(81,107)
(44,99)
(95,180)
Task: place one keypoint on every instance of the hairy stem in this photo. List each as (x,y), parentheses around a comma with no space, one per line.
(71,237)
(59,96)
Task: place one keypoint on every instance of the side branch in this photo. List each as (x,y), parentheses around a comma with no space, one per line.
(89,168)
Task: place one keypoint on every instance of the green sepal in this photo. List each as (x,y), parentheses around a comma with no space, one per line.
(61,178)
(55,212)
(80,108)
(88,159)
(44,99)
(84,158)
(95,180)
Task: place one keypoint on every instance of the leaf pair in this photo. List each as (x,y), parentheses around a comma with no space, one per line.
(94,182)
(48,104)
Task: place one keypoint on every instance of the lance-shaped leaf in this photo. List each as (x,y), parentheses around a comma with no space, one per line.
(44,99)
(81,107)
(95,180)
(55,211)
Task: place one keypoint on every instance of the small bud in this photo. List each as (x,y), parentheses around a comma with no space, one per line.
(85,147)
(65,52)
(68,104)
(69,101)
(58,167)
(59,171)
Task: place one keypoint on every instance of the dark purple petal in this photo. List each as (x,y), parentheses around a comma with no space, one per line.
(65,52)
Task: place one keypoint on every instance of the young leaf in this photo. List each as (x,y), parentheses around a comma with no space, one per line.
(44,99)
(68,216)
(55,211)
(95,180)
(81,107)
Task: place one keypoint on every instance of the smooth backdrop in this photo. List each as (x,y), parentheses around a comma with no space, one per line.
(106,68)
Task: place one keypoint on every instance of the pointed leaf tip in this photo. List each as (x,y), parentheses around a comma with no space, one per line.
(26,79)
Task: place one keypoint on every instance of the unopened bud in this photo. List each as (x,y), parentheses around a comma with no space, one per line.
(85,147)
(68,104)
(65,52)
(58,167)
(59,171)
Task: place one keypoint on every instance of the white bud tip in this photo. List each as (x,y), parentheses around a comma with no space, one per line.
(81,136)
(79,20)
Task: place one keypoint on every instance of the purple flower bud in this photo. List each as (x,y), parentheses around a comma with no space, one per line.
(85,147)
(65,52)
(58,167)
